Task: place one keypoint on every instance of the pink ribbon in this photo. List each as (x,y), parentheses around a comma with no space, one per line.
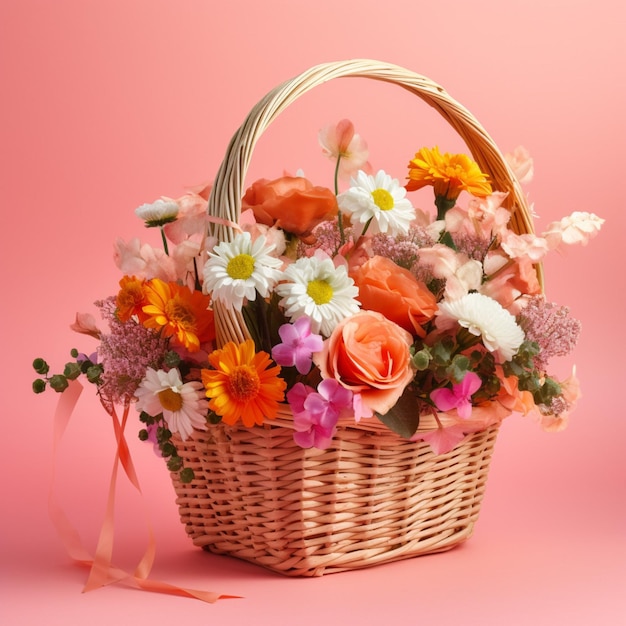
(102,572)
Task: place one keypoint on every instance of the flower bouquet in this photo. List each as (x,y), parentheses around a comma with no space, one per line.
(324,369)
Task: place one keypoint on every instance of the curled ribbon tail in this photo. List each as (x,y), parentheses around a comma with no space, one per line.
(102,571)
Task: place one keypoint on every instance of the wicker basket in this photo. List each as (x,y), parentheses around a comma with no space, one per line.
(373,497)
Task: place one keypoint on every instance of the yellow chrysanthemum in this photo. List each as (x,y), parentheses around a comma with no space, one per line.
(178,312)
(243,385)
(449,174)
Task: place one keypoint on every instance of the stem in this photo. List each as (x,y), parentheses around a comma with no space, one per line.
(465,340)
(197,284)
(342,237)
(497,272)
(337,174)
(263,324)
(362,236)
(443,205)
(164,240)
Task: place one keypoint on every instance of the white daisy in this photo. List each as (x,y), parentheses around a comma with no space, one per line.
(483,317)
(184,405)
(316,288)
(158,213)
(236,270)
(379,200)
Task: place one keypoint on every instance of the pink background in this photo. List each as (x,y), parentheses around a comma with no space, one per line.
(107,105)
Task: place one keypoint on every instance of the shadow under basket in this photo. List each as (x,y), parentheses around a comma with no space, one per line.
(371,499)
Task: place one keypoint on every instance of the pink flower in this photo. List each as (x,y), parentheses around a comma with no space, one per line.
(459,397)
(360,410)
(143,261)
(521,163)
(442,440)
(316,412)
(488,214)
(192,219)
(338,141)
(85,324)
(274,236)
(563,405)
(298,345)
(460,273)
(508,279)
(525,245)
(579,227)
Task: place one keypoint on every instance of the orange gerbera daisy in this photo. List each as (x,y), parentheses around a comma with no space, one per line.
(243,384)
(449,174)
(177,311)
(130,299)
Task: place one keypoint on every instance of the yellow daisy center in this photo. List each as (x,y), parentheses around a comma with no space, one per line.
(178,312)
(240,267)
(320,291)
(170,400)
(382,199)
(244,383)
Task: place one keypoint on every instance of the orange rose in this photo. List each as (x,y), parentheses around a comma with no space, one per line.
(396,293)
(291,203)
(368,354)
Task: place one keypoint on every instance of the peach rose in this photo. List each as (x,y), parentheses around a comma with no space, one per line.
(291,203)
(369,355)
(396,293)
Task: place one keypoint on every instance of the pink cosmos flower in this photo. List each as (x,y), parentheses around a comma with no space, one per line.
(315,413)
(459,397)
(338,141)
(298,345)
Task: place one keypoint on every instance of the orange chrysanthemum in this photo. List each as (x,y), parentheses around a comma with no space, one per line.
(179,312)
(243,385)
(130,298)
(449,174)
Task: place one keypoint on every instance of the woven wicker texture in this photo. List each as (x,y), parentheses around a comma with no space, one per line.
(373,497)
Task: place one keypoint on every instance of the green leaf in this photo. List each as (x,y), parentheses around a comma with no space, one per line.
(169,449)
(39,385)
(442,352)
(93,373)
(59,383)
(421,359)
(404,417)
(40,366)
(72,371)
(458,368)
(174,463)
(186,475)
(171,359)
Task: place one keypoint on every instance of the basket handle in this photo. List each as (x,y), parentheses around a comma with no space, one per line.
(228,187)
